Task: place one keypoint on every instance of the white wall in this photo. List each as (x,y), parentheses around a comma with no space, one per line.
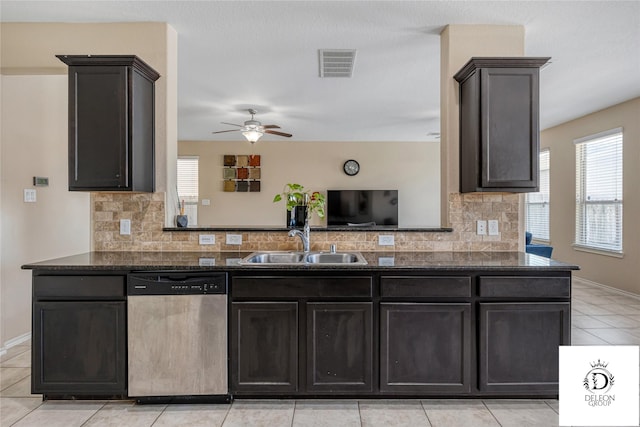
(34,143)
(413,168)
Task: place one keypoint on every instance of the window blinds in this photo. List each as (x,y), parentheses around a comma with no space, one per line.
(537,204)
(187,171)
(599,191)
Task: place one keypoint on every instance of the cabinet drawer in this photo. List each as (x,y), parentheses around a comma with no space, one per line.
(522,287)
(425,286)
(300,287)
(78,287)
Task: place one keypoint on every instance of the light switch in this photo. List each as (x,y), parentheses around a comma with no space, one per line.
(125,226)
(493,227)
(29,195)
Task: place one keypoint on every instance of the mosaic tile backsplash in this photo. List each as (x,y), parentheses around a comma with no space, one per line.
(146,212)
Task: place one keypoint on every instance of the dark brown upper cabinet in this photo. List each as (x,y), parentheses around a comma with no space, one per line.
(499,124)
(111,123)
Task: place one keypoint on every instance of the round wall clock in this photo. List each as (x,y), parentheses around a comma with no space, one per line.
(351,167)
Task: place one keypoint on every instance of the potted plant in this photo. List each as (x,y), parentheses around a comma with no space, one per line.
(301,204)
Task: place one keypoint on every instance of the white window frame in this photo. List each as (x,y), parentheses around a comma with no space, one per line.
(540,199)
(590,213)
(189,192)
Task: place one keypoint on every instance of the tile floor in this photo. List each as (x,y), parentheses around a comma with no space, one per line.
(600,317)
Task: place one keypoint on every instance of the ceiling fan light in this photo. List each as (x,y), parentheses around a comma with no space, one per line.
(252,135)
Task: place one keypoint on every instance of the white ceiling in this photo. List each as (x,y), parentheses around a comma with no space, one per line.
(263,54)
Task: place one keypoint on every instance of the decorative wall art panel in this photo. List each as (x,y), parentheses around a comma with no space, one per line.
(241,173)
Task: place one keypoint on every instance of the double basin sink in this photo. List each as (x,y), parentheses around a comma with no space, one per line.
(303,258)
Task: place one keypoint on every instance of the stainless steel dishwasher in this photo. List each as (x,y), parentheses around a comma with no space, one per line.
(177,336)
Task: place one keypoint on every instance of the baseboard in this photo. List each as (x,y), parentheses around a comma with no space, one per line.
(14,341)
(609,288)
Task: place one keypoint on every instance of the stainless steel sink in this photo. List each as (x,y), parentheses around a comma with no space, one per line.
(274,258)
(351,258)
(300,258)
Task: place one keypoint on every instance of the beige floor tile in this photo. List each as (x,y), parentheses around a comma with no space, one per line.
(10,376)
(195,415)
(450,413)
(60,414)
(523,413)
(615,336)
(581,337)
(20,389)
(125,413)
(334,413)
(392,413)
(22,360)
(617,321)
(14,351)
(12,409)
(260,413)
(619,309)
(554,404)
(583,321)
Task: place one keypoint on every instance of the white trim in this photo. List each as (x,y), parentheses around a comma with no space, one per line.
(598,135)
(614,254)
(14,341)
(607,287)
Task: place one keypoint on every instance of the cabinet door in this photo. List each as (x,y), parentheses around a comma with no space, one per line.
(264,347)
(425,348)
(509,128)
(98,127)
(339,347)
(519,346)
(81,348)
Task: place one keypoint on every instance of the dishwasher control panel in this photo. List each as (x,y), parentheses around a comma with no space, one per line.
(176,283)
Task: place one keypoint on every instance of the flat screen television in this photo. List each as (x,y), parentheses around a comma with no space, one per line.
(362,207)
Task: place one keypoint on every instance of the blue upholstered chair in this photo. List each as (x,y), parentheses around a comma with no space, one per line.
(541,250)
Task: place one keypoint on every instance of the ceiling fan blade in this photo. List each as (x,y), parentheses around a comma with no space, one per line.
(232,124)
(271,127)
(223,131)
(274,132)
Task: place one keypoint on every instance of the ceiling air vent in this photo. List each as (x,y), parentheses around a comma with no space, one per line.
(336,62)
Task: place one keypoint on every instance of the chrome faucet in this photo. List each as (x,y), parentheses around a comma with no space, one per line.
(304,235)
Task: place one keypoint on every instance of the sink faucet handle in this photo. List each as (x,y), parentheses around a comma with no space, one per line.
(332,248)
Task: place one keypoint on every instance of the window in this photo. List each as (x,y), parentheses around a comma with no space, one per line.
(599,192)
(537,204)
(188,186)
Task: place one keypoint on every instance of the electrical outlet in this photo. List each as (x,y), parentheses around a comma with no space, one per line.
(386,240)
(481,227)
(125,226)
(493,227)
(206,262)
(234,239)
(207,239)
(386,261)
(206,202)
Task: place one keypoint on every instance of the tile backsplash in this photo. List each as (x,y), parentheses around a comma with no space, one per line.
(146,212)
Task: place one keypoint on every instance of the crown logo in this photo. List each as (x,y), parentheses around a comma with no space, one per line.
(599,364)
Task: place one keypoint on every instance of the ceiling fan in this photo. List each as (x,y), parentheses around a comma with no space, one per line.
(253,129)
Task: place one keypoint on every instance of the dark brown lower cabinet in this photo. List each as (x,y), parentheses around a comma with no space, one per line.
(264,345)
(425,348)
(339,347)
(518,348)
(79,344)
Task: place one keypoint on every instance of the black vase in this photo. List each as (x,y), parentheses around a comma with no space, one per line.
(297,216)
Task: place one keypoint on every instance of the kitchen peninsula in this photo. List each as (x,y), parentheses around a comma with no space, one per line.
(410,324)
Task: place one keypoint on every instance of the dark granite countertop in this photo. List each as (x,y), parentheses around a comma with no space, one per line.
(270,228)
(461,261)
